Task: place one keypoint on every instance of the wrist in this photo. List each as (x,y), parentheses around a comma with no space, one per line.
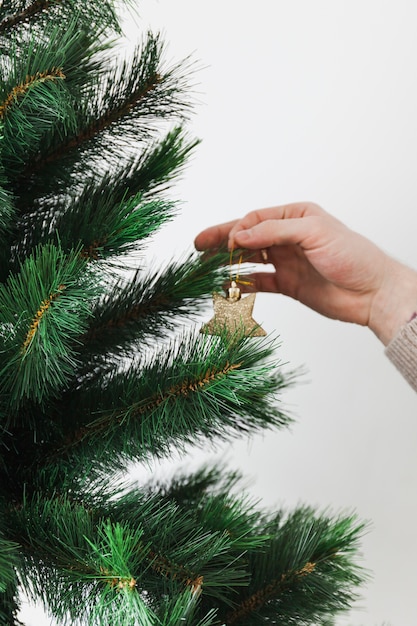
(395,302)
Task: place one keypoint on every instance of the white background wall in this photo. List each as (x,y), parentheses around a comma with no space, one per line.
(303,100)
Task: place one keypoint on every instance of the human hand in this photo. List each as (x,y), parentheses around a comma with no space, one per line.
(323,264)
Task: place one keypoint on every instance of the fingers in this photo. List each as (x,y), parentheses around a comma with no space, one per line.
(224,234)
(297,231)
(214,237)
(283,212)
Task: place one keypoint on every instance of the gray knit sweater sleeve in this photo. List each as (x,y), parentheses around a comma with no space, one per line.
(402,352)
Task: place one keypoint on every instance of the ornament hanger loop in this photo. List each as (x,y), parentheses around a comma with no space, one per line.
(234,291)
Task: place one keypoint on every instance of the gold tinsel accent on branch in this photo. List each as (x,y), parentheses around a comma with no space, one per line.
(183,389)
(20,90)
(44,307)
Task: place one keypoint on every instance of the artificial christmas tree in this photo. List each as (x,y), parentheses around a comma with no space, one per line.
(99,369)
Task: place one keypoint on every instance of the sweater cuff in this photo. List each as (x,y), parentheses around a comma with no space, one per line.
(402,352)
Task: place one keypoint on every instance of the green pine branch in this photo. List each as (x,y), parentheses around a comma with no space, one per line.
(34,96)
(296,569)
(189,489)
(10,605)
(15,13)
(7,216)
(112,213)
(18,13)
(7,213)
(152,304)
(127,102)
(120,228)
(216,512)
(184,611)
(105,221)
(32,117)
(9,561)
(308,575)
(196,389)
(109,557)
(43,309)
(163,161)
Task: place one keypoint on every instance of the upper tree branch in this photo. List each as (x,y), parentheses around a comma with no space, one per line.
(125,317)
(97,126)
(22,16)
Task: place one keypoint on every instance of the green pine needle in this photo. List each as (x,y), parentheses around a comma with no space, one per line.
(197,389)
(8,561)
(20,13)
(34,97)
(120,113)
(43,309)
(153,303)
(308,574)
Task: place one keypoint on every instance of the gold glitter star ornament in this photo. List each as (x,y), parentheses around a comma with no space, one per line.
(233,315)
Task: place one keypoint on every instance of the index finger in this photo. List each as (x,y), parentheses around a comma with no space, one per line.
(284,211)
(214,236)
